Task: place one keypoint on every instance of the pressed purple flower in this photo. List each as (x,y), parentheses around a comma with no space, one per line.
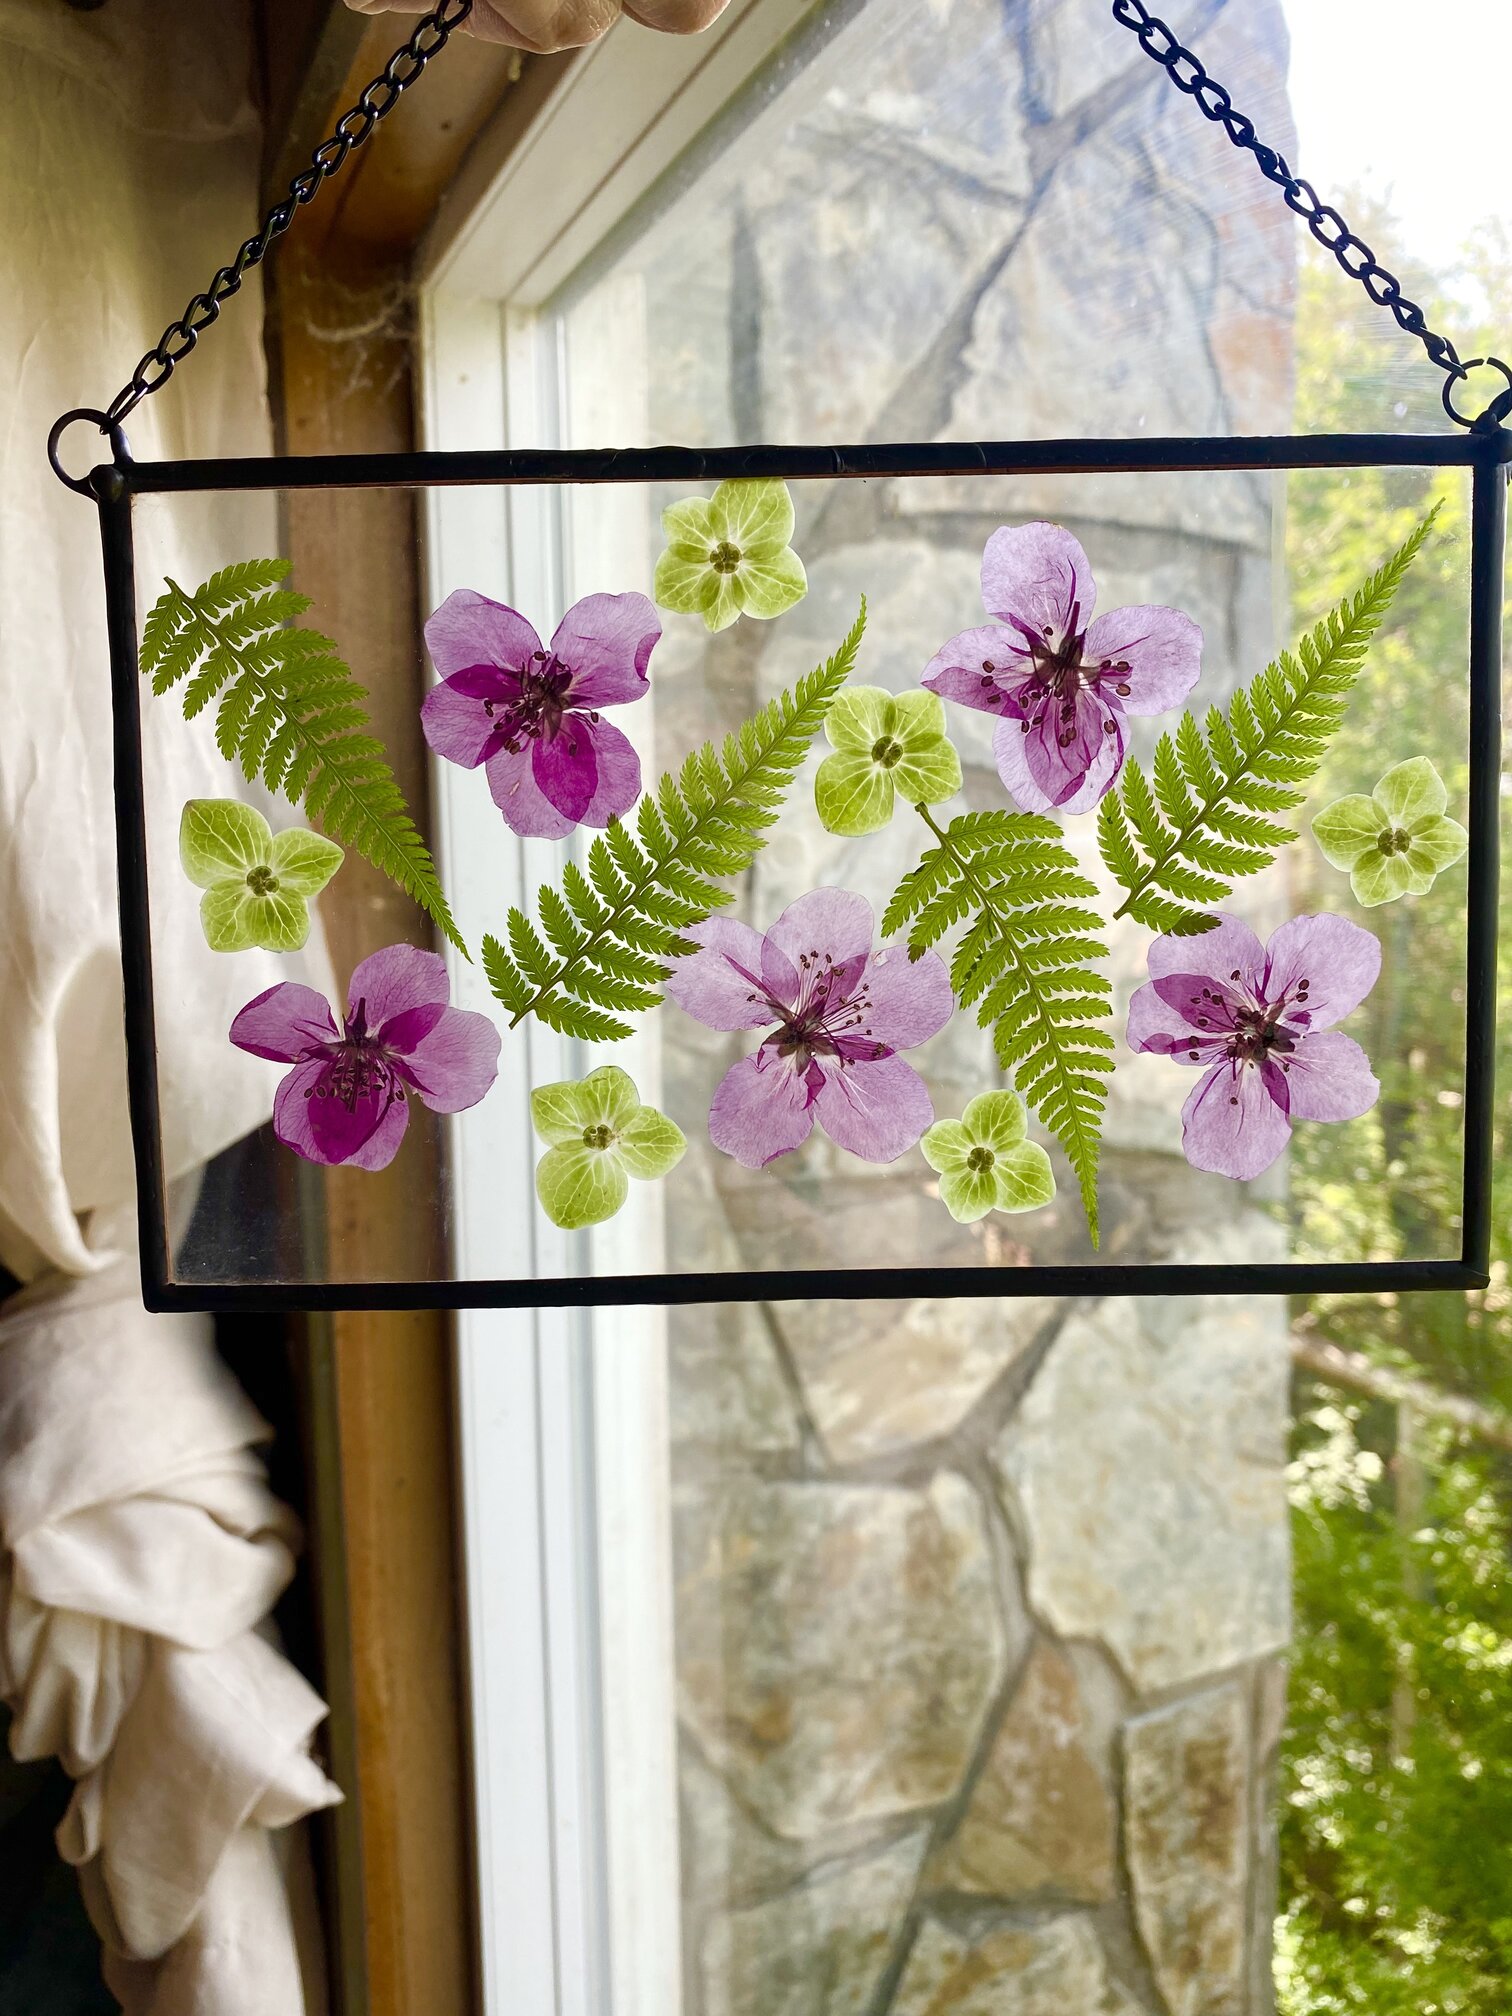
(530,712)
(1061,683)
(842,1012)
(1260,1019)
(347,1098)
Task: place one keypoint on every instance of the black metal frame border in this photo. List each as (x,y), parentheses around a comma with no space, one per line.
(1486,452)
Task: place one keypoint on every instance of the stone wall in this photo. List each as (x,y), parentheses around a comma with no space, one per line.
(979,1604)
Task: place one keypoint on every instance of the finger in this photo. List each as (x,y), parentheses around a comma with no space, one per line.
(675,17)
(536,25)
(543,25)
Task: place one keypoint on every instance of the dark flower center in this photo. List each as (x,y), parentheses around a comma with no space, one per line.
(358,1067)
(1061,670)
(824,1022)
(1257,1031)
(724,558)
(261,881)
(980,1159)
(535,713)
(887,752)
(1394,841)
(598,1137)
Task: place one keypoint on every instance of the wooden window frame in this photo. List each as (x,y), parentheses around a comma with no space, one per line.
(377,1387)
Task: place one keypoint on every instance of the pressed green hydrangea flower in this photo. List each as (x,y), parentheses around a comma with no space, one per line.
(1395,841)
(985,1161)
(884,743)
(729,554)
(257,883)
(598,1136)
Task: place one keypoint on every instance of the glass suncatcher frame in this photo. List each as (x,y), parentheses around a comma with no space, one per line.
(1485,450)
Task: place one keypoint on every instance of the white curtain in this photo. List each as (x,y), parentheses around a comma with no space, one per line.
(140,1548)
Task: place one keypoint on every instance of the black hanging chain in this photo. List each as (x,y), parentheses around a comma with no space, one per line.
(1325,223)
(354,127)
(435,30)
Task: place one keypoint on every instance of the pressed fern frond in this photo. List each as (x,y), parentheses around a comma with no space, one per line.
(1176,844)
(1026,962)
(602,946)
(291,713)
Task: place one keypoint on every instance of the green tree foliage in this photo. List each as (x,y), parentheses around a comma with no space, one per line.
(1397,1765)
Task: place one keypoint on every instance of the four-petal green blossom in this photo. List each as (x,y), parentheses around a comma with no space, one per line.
(985,1161)
(1395,841)
(257,883)
(729,554)
(884,743)
(598,1136)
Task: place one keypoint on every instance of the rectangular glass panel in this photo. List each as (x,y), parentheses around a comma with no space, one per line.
(1212,544)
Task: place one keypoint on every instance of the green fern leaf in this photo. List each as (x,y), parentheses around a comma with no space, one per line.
(290,712)
(1027,963)
(1178,847)
(616,921)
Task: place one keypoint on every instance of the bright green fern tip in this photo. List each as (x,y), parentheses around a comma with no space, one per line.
(1176,839)
(289,711)
(603,940)
(1027,961)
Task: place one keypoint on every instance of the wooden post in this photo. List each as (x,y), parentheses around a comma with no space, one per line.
(379,1386)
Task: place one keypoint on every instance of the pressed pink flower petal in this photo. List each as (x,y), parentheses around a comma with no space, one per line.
(1037,577)
(982,668)
(468,629)
(760,1111)
(453,1065)
(607,640)
(500,683)
(526,808)
(1157,1026)
(1230,1125)
(877,1109)
(565,768)
(1162,649)
(908,1000)
(1027,781)
(1207,1004)
(456,724)
(283,1022)
(309,1118)
(619,774)
(398,978)
(1339,961)
(1070,745)
(1328,1077)
(721,983)
(1230,949)
(405,1032)
(780,977)
(828,921)
(382,1145)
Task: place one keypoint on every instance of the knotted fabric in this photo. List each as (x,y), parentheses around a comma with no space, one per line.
(142,1553)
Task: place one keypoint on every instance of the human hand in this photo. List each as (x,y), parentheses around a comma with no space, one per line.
(543,25)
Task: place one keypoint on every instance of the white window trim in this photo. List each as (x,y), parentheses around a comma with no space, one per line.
(563,1434)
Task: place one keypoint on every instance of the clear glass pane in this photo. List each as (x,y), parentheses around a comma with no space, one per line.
(841,1192)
